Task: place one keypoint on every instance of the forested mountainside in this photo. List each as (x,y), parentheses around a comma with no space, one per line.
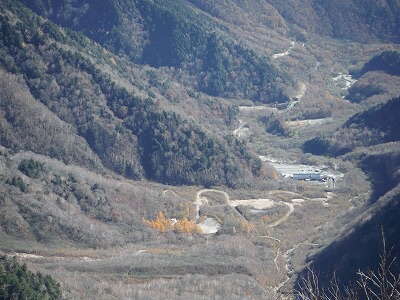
(373,126)
(358,20)
(105,124)
(387,61)
(149,147)
(376,124)
(172,34)
(20,283)
(377,76)
(348,19)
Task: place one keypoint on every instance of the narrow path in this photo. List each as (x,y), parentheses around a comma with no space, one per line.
(200,200)
(287,52)
(254,108)
(169,191)
(280,220)
(276,259)
(24,255)
(271,237)
(297,97)
(240,130)
(124,183)
(303,89)
(268,203)
(287,254)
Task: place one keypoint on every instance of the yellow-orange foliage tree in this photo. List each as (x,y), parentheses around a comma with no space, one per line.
(185,226)
(164,224)
(161,223)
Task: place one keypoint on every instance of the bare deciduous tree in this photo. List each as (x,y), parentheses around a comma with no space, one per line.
(380,284)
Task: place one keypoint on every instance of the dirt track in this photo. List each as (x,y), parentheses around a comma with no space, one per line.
(284,218)
(256,203)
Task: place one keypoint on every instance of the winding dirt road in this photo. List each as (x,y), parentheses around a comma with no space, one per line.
(284,218)
(287,52)
(200,200)
(256,203)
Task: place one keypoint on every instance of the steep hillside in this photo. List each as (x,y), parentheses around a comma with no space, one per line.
(245,13)
(378,78)
(126,133)
(383,167)
(46,201)
(371,127)
(361,243)
(347,19)
(370,139)
(387,61)
(148,148)
(172,34)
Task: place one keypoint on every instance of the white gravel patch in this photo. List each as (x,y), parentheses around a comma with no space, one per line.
(209,225)
(256,203)
(298,200)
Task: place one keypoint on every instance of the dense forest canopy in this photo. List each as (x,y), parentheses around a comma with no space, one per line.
(170,33)
(18,282)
